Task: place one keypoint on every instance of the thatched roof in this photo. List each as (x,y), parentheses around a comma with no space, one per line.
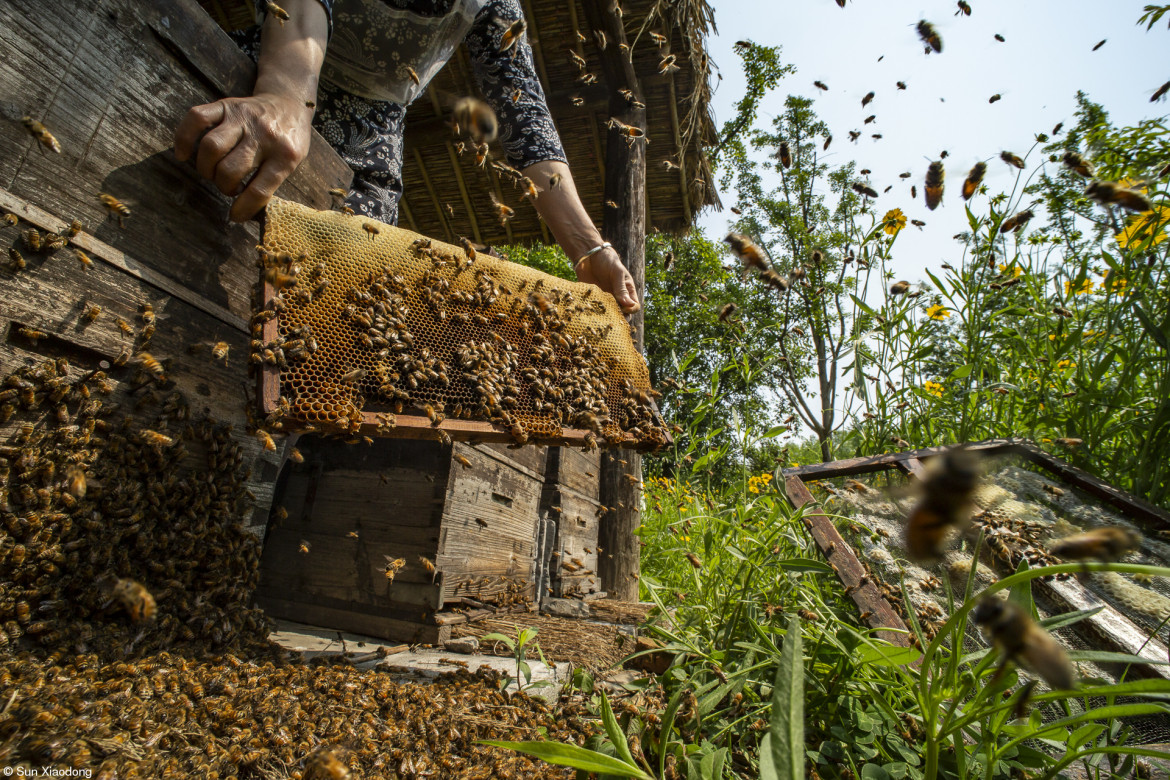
(680,126)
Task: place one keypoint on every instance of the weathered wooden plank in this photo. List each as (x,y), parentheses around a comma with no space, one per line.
(575,469)
(342,616)
(875,610)
(1132,505)
(865,465)
(112,90)
(1110,629)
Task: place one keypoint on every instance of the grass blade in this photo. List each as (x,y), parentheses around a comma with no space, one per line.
(572,756)
(783,756)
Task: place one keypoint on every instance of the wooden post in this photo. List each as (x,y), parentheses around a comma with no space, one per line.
(625,228)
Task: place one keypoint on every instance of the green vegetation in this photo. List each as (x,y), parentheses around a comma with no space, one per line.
(1058,331)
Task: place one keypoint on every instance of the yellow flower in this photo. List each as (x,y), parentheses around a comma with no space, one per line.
(1145,225)
(1066,364)
(1013,269)
(934,388)
(893,221)
(938,312)
(1086,287)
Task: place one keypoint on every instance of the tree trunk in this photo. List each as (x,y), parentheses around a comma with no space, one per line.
(625,228)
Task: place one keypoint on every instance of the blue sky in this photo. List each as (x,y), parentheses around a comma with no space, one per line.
(1046,57)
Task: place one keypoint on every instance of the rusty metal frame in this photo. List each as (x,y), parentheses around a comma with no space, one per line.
(1111,628)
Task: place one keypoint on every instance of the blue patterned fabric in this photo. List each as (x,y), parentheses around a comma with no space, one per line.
(367,132)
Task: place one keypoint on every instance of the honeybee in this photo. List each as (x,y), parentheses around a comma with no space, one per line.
(18,261)
(413,76)
(11,220)
(1077,164)
(934,184)
(964,8)
(929,36)
(658,38)
(148,362)
(115,207)
(901,85)
(393,567)
(899,288)
(746,250)
(727,311)
(667,65)
(808,614)
(266,439)
(512,35)
(305,547)
(1106,193)
(371,229)
(854,135)
(83,258)
(274,9)
(974,179)
(220,351)
(477,119)
(42,134)
(694,560)
(1103,544)
(554,181)
(1100,44)
(1016,222)
(462,461)
(1012,159)
(91,313)
(429,565)
(32,239)
(1017,636)
(864,189)
(505,213)
(869,119)
(356,375)
(1069,442)
(999,38)
(946,503)
(865,101)
(135,599)
(785,155)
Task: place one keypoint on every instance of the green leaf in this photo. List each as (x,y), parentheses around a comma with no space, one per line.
(572,756)
(775,431)
(882,653)
(499,638)
(1152,328)
(785,757)
(962,372)
(526,636)
(1069,618)
(803,564)
(614,730)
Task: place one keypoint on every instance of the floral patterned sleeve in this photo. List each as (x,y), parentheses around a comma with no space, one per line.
(261,11)
(512,88)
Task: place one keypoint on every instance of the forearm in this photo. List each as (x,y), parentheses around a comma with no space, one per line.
(561,208)
(291,53)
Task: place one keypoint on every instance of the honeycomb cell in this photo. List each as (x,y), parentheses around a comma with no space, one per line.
(394,322)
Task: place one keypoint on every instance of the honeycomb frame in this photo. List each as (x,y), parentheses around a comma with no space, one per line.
(415,338)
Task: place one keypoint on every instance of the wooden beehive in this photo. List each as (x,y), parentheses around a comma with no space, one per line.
(573,509)
(355,509)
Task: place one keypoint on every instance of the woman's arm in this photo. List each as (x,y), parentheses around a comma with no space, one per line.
(267,134)
(561,208)
(509,82)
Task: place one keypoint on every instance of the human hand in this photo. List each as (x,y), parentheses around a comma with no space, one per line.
(234,138)
(605,270)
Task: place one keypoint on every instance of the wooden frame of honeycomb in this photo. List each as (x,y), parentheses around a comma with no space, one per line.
(371,329)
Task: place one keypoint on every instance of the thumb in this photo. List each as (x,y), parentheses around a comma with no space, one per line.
(624,291)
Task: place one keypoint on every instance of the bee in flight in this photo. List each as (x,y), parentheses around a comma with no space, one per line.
(946,502)
(1077,164)
(934,184)
(38,131)
(964,8)
(974,179)
(1107,543)
(929,36)
(1015,223)
(1011,159)
(1106,193)
(1021,640)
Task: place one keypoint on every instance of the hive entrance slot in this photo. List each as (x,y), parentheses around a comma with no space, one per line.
(504,500)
